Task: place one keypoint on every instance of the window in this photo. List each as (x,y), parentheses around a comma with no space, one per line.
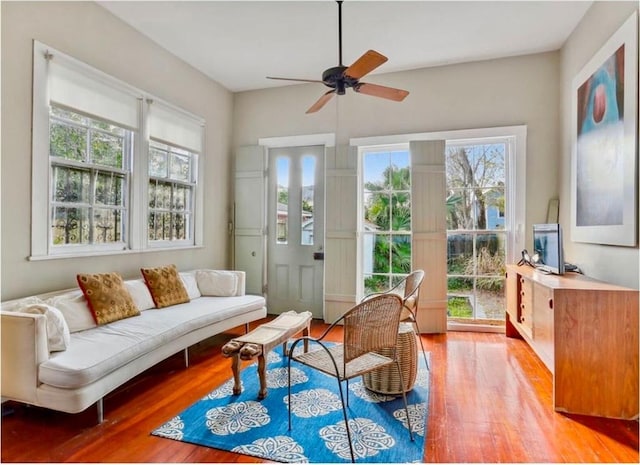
(90,177)
(100,182)
(476,233)
(171,188)
(386,217)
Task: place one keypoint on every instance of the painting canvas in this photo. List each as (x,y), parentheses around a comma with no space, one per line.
(605,143)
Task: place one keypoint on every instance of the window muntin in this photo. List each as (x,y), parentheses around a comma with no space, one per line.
(89,165)
(476,234)
(386,221)
(171,191)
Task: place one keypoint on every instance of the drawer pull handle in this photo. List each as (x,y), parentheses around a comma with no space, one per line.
(551,304)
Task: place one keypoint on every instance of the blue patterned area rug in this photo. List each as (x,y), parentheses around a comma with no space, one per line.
(244,425)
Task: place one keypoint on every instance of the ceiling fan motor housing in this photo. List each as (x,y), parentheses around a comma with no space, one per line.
(336,79)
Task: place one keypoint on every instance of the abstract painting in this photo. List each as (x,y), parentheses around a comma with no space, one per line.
(604,160)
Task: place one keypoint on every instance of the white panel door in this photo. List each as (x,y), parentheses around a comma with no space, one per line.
(295,250)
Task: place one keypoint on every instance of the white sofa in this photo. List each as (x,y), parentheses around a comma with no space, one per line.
(98,359)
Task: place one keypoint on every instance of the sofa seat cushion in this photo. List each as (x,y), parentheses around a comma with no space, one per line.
(96,352)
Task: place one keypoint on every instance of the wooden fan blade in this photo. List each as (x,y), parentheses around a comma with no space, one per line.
(294,79)
(365,64)
(390,93)
(321,101)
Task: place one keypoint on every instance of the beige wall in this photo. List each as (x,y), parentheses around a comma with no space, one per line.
(619,265)
(86,31)
(505,92)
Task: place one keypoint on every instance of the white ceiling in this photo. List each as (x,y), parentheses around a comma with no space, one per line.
(239,43)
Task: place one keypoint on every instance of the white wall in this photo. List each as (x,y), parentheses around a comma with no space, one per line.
(618,265)
(88,32)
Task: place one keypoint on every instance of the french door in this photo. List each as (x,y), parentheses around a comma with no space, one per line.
(295,219)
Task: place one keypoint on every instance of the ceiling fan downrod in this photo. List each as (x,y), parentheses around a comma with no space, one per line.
(339,32)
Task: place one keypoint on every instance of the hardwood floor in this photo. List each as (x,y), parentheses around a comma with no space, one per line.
(491,401)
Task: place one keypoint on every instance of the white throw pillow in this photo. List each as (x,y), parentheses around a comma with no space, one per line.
(58,337)
(75,309)
(217,283)
(140,294)
(190,284)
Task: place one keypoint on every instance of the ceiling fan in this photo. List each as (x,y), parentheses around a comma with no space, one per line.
(340,78)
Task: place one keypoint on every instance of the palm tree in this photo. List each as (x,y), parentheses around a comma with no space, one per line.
(389,208)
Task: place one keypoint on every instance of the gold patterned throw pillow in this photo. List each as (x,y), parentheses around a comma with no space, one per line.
(108,298)
(165,285)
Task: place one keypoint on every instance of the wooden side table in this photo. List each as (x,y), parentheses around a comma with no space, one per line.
(260,341)
(386,379)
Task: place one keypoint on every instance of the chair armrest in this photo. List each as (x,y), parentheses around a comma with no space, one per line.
(23,348)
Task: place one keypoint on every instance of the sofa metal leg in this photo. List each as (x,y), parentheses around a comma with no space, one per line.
(186,357)
(246,328)
(100,406)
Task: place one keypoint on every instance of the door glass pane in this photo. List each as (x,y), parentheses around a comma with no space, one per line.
(401,211)
(306,201)
(490,254)
(382,254)
(375,164)
(401,254)
(460,297)
(460,254)
(282,196)
(490,298)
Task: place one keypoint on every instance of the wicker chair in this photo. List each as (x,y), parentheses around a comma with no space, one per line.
(367,328)
(409,290)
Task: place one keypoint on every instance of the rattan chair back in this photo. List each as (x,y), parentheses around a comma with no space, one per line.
(412,285)
(371,326)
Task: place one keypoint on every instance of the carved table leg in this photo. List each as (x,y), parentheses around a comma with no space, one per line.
(263,376)
(235,366)
(305,332)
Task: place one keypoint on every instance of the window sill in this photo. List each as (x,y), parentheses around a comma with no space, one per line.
(36,258)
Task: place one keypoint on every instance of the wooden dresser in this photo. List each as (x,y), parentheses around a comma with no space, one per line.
(585,331)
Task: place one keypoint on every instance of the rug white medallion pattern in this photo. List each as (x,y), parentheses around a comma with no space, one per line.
(378,432)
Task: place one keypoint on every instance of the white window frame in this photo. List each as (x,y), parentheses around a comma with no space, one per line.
(515,186)
(136,230)
(360,209)
(193,186)
(125,171)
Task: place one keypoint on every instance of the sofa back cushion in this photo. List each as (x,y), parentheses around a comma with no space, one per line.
(140,294)
(108,297)
(217,283)
(165,285)
(190,284)
(75,310)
